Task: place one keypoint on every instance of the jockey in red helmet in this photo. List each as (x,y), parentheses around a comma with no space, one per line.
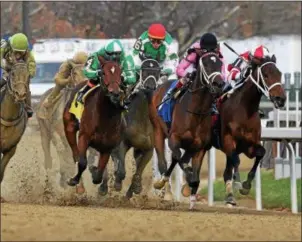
(156,44)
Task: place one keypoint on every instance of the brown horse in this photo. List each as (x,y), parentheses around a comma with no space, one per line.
(50,121)
(100,125)
(191,122)
(13,115)
(240,124)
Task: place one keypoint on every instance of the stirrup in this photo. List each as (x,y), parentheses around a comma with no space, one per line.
(80,97)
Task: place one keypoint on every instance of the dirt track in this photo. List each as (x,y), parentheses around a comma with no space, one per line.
(35,222)
(113,217)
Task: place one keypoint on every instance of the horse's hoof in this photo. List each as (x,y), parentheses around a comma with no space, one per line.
(244,191)
(159,184)
(118,186)
(246,187)
(80,189)
(129,193)
(72,182)
(229,205)
(230,200)
(186,190)
(96,180)
(137,189)
(103,190)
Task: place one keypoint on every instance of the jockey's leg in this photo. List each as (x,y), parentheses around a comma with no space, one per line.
(28,107)
(2,82)
(54,93)
(172,91)
(90,84)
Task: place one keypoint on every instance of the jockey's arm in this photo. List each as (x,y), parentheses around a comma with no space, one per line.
(186,65)
(3,51)
(62,77)
(138,48)
(91,67)
(128,69)
(171,61)
(31,64)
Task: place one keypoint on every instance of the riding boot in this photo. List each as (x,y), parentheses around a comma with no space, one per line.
(82,93)
(28,107)
(261,113)
(214,110)
(2,82)
(171,92)
(54,93)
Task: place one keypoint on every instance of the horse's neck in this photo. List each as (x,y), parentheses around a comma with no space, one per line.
(250,97)
(201,98)
(9,108)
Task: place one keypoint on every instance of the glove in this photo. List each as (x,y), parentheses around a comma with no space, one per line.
(245,73)
(99,73)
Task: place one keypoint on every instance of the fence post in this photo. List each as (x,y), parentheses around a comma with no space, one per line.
(211,172)
(286,162)
(297,85)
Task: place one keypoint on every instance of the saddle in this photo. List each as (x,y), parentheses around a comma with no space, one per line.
(76,107)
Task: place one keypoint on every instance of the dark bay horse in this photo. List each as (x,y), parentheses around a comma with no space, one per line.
(239,121)
(191,122)
(138,132)
(100,125)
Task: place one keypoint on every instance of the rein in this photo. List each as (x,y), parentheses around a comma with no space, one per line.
(203,75)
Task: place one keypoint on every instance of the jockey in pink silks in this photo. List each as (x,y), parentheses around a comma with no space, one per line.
(187,65)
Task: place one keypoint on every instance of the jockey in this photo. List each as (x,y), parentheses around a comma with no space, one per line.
(113,51)
(63,77)
(240,69)
(188,65)
(156,44)
(14,49)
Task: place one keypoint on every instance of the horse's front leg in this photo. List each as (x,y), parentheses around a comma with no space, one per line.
(194,179)
(259,151)
(227,175)
(82,163)
(159,143)
(97,172)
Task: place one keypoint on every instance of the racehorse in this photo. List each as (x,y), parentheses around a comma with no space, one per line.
(13,115)
(51,122)
(100,125)
(138,133)
(191,121)
(239,121)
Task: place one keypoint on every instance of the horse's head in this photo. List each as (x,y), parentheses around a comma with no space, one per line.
(18,81)
(150,74)
(77,74)
(210,75)
(267,77)
(112,79)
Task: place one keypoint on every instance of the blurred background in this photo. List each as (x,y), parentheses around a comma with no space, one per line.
(186,21)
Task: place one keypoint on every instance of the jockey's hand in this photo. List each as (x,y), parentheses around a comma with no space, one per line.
(163,73)
(99,72)
(246,72)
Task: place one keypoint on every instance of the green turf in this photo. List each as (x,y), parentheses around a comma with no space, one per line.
(275,193)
